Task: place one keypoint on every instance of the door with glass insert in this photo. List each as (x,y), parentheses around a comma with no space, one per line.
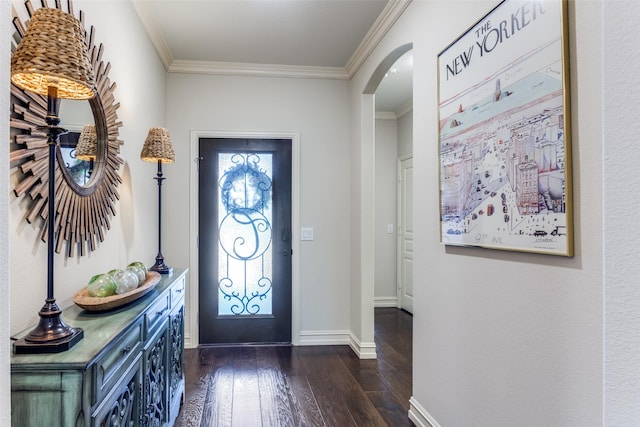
(244,241)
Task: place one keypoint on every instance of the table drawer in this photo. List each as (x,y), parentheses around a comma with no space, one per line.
(110,366)
(177,291)
(157,312)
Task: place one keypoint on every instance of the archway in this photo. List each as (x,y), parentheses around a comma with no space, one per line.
(383,67)
(367,194)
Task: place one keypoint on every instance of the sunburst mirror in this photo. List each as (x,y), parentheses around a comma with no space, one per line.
(87,190)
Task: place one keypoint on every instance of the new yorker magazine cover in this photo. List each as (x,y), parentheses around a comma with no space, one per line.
(504,137)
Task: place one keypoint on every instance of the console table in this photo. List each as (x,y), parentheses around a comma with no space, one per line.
(127,370)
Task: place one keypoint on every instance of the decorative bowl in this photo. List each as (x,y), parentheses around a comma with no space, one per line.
(89,303)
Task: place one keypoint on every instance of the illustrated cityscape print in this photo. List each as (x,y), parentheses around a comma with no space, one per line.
(503,165)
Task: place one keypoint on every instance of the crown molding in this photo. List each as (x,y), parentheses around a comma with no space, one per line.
(378,30)
(395,115)
(164,53)
(262,70)
(386,115)
(404,108)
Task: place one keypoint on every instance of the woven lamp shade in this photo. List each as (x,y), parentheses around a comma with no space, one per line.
(53,52)
(157,147)
(87,144)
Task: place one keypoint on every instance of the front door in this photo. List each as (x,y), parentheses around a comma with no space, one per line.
(244,241)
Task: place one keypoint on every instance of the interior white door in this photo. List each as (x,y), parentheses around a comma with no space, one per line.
(405,234)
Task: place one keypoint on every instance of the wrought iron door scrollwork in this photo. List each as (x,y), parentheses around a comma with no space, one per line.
(245,233)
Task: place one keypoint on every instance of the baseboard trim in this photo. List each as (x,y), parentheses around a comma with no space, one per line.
(385,302)
(365,350)
(419,415)
(362,350)
(306,338)
(188,343)
(324,337)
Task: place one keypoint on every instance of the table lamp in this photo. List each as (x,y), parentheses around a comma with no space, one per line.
(158,148)
(51,60)
(87,147)
(87,144)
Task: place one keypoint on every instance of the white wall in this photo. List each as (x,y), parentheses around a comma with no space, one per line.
(502,338)
(620,88)
(318,111)
(385,212)
(405,134)
(141,87)
(5,54)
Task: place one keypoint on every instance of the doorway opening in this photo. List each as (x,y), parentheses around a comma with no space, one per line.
(394,186)
(369,268)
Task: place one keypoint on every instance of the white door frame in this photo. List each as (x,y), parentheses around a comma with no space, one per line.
(192,329)
(400,232)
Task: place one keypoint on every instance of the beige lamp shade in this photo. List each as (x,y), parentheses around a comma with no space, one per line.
(87,144)
(53,53)
(157,147)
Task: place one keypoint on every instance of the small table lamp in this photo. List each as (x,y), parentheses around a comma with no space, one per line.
(87,147)
(87,144)
(51,60)
(157,148)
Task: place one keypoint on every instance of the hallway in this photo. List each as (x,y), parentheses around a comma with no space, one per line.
(303,386)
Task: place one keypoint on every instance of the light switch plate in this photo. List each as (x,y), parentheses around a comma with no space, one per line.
(306,233)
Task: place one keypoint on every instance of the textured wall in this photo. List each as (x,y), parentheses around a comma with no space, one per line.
(621,204)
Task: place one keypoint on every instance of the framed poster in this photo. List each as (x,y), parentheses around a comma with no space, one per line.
(504,131)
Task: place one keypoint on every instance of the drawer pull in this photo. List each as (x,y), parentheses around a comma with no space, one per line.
(126,350)
(178,291)
(161,312)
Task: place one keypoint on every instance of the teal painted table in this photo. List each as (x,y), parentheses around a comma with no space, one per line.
(127,370)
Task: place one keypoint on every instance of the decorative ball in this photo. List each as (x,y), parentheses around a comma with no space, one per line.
(114,273)
(140,265)
(102,285)
(140,273)
(126,280)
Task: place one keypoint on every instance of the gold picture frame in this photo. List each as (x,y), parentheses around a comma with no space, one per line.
(504,133)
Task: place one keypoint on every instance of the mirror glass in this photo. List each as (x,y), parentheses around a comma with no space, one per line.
(75,115)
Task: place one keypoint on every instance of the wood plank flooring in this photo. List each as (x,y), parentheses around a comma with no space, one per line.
(274,386)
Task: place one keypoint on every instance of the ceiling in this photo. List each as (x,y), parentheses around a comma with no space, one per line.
(281,38)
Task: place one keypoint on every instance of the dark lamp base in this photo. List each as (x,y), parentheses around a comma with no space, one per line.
(51,335)
(22,346)
(160,266)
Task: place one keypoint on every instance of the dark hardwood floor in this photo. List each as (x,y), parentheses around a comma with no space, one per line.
(275,386)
